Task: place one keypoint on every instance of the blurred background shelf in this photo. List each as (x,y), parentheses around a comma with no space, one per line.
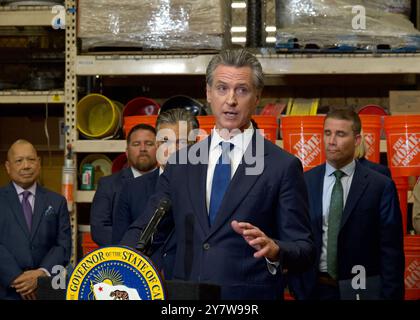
(273,64)
(141,64)
(100,146)
(84,196)
(26,96)
(26,16)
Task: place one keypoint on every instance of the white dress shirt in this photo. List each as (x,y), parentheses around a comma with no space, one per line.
(241,142)
(136,173)
(329,181)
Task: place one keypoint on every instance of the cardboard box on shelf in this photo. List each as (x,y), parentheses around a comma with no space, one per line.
(404,102)
(158,24)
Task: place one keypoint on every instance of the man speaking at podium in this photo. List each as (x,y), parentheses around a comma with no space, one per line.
(239,203)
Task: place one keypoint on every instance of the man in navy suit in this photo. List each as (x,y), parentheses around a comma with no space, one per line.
(135,193)
(35,231)
(141,158)
(239,202)
(375,166)
(366,233)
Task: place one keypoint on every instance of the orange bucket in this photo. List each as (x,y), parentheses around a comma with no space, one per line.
(303,137)
(412,267)
(206,123)
(403,144)
(402,188)
(88,245)
(269,124)
(131,121)
(371,125)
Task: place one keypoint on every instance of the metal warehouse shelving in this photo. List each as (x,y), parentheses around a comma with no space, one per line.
(277,64)
(273,64)
(21,16)
(25,96)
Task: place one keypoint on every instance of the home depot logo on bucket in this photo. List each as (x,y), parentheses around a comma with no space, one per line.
(307,147)
(412,267)
(406,150)
(303,137)
(412,273)
(403,144)
(370,139)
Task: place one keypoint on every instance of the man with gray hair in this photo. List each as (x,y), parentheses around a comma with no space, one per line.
(173,128)
(235,227)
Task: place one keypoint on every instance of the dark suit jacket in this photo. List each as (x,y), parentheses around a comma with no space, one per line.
(375,166)
(131,204)
(274,200)
(370,235)
(48,244)
(104,203)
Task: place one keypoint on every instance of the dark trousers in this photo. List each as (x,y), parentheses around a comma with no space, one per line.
(325,292)
(326,288)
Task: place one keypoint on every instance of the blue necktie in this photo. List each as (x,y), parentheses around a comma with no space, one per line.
(334,221)
(221,179)
(27,209)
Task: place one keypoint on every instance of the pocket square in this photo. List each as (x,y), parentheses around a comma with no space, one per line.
(50,211)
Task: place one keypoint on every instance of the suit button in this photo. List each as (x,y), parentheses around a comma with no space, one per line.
(206,246)
(165,254)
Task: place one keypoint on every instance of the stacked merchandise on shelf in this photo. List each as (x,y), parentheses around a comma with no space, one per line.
(155,24)
(346,25)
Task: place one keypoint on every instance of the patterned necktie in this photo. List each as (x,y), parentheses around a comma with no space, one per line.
(27,209)
(221,179)
(334,220)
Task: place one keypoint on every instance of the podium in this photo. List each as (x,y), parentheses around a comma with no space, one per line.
(182,290)
(175,289)
(45,290)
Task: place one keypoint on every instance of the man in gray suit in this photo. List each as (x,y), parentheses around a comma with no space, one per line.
(34,226)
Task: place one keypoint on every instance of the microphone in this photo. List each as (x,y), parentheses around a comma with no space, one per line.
(146,236)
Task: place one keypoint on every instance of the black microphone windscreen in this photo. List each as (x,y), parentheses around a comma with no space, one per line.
(164,204)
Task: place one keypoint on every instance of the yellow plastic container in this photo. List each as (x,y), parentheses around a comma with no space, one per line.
(98,117)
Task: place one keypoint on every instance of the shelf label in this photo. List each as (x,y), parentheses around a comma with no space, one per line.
(56,98)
